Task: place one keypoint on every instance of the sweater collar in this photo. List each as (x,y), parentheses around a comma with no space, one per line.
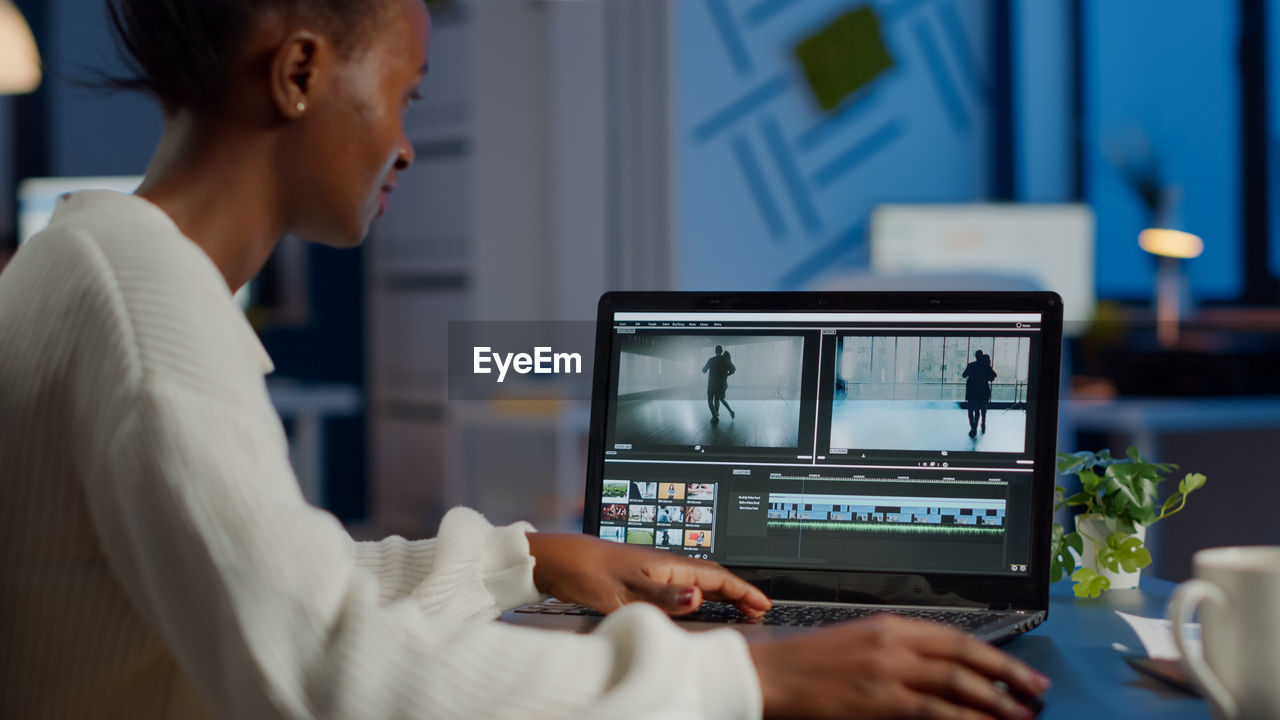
(146,211)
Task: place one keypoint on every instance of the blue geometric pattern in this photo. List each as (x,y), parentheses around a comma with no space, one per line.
(772,192)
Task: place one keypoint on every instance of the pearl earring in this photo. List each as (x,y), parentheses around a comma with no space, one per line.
(302,106)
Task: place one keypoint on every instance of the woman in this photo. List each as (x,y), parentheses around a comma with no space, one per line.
(977,390)
(158,559)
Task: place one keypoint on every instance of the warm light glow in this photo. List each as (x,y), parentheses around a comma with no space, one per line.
(1170,243)
(19,60)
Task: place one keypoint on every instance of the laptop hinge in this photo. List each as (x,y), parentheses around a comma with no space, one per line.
(1000,606)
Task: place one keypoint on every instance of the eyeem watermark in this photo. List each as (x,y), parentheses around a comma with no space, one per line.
(520,360)
(543,361)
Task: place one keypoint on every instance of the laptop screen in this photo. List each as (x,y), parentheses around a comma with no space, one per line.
(841,440)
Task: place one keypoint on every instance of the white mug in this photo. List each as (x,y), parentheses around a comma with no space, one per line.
(1237,590)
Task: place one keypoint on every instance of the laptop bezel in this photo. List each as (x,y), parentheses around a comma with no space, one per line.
(1030,592)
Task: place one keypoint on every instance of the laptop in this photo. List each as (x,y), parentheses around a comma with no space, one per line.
(847,453)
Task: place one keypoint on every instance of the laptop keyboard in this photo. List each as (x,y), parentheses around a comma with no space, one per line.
(818,615)
(793,614)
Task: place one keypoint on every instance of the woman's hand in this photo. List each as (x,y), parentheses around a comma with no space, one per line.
(606,575)
(889,667)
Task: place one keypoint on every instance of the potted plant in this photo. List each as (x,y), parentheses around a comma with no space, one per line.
(1118,496)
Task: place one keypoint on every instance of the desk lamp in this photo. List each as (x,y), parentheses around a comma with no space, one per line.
(1172,247)
(19,60)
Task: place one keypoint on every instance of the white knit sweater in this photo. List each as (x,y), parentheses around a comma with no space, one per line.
(157,559)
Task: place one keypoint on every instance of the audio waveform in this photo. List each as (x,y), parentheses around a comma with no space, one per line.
(885,527)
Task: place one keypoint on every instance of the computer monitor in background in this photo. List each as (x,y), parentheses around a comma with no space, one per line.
(38,196)
(1050,245)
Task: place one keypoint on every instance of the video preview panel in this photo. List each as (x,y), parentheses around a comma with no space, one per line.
(952,393)
(711,390)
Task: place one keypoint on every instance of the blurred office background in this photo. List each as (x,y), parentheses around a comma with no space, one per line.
(570,147)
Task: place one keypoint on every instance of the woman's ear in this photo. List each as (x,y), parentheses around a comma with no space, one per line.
(298,68)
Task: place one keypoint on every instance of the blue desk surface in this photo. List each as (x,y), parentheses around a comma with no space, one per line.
(1090,678)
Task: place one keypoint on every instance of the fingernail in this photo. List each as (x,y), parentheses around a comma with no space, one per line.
(685,597)
(1043,681)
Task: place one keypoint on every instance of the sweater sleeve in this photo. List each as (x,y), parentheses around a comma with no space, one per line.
(435,572)
(260,599)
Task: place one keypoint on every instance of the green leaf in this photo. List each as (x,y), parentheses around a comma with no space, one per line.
(1193,481)
(1089,583)
(1108,559)
(1061,560)
(1124,552)
(1125,472)
(1090,481)
(1129,487)
(1133,454)
(1075,542)
(1068,464)
(1073,463)
(1122,524)
(1132,555)
(1172,501)
(1080,498)
(1144,515)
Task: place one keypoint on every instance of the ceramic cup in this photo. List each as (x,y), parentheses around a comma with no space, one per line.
(1237,591)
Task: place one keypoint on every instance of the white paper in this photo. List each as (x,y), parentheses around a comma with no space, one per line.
(1156,635)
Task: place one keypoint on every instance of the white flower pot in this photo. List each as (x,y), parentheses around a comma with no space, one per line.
(1091,526)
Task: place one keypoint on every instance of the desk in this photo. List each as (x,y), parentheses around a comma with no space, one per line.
(1090,679)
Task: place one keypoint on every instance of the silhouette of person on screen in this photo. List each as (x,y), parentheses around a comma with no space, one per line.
(725,387)
(977,390)
(718,368)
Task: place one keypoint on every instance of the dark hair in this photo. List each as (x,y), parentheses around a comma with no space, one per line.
(181,51)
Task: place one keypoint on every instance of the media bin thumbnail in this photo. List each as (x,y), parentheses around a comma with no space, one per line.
(614,512)
(642,514)
(670,538)
(931,393)
(670,491)
(697,538)
(644,491)
(670,513)
(640,536)
(697,515)
(702,492)
(713,390)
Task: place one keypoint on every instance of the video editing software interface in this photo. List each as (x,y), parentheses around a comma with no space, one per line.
(842,440)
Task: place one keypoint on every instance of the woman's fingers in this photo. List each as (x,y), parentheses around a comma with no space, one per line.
(960,685)
(673,598)
(713,582)
(717,583)
(939,641)
(932,707)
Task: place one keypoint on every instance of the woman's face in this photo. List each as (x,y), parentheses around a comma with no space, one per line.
(352,143)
